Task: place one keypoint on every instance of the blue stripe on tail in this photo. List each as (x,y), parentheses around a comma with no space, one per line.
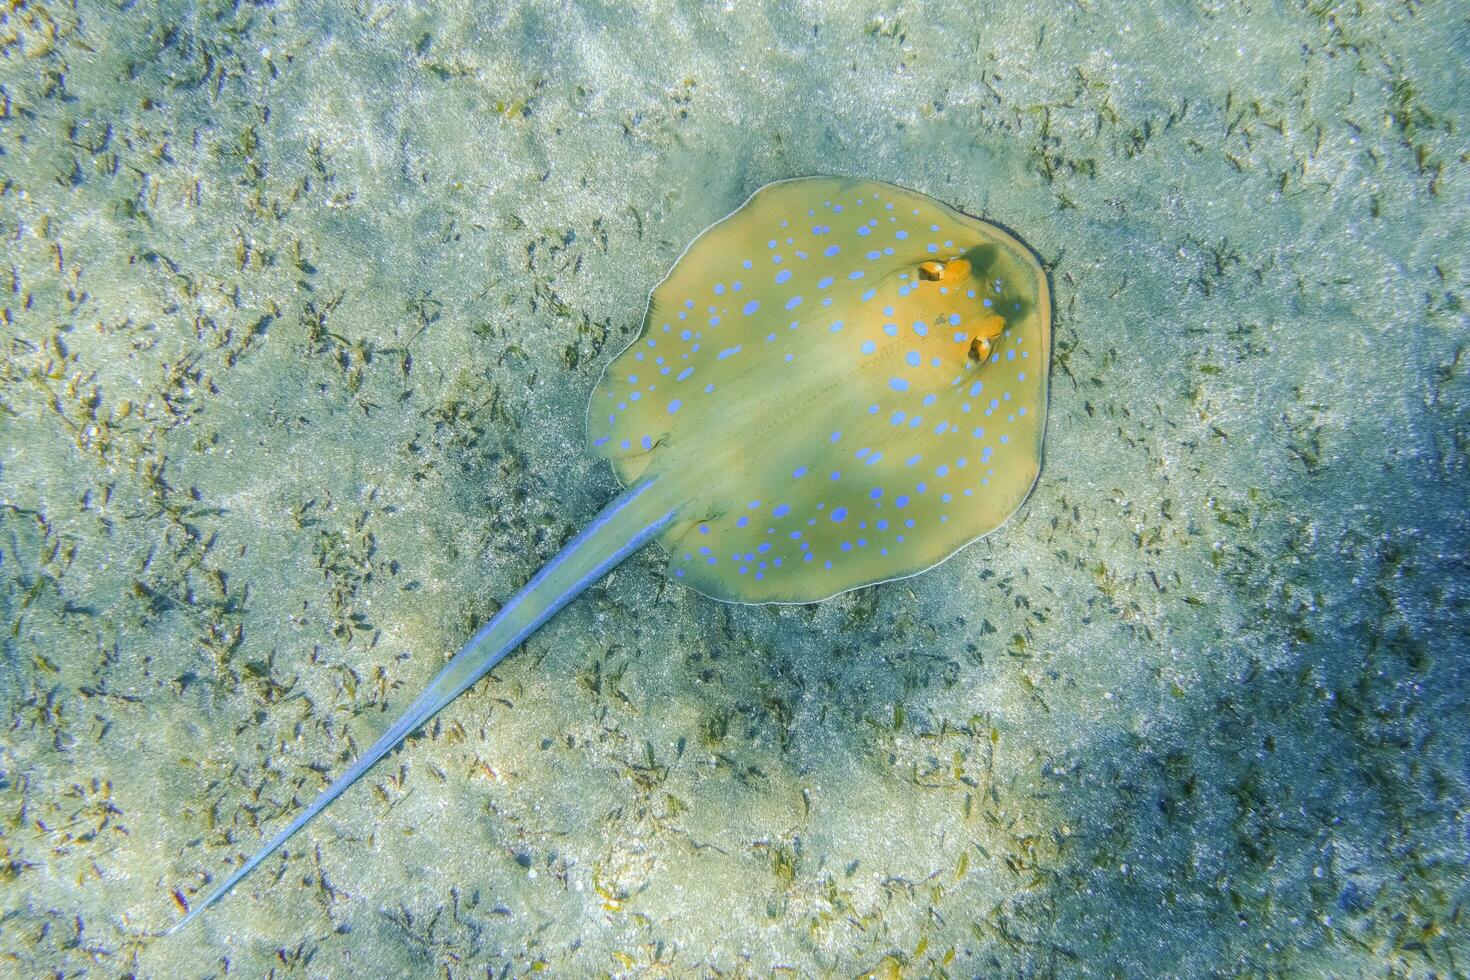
(525,613)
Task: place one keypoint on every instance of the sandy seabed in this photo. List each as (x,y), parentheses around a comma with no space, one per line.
(305,302)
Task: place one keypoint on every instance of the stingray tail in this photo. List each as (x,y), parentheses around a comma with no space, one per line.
(623,527)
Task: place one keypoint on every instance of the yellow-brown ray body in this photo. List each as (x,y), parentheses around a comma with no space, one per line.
(841,383)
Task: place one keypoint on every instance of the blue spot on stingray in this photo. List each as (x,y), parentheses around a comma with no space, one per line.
(901,235)
(675,405)
(719,289)
(831,250)
(780,510)
(864,230)
(824,282)
(835,327)
(751,307)
(868,347)
(793,302)
(855,274)
(876,492)
(869,294)
(839,515)
(727,352)
(836,436)
(647,442)
(912,358)
(898,384)
(742,521)
(783,275)
(798,473)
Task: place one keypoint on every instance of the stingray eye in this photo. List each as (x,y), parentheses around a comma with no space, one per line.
(986,331)
(953,271)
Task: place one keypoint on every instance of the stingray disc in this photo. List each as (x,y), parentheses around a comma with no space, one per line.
(843,382)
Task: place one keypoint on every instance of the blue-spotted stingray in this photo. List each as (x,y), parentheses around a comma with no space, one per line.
(841,383)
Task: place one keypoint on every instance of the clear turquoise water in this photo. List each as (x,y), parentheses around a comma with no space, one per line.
(305,303)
